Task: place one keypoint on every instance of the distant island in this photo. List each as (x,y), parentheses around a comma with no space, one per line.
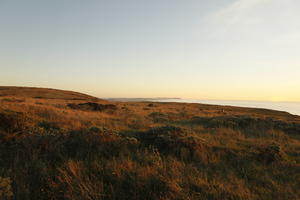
(142,99)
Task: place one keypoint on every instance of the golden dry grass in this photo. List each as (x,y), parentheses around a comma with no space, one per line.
(144,150)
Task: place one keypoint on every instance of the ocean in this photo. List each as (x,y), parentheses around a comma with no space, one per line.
(290,107)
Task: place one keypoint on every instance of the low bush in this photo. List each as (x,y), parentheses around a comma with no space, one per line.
(11,122)
(5,189)
(90,106)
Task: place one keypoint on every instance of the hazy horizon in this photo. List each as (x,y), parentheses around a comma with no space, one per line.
(216,50)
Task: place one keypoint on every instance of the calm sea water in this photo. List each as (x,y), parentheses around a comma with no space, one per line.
(291,107)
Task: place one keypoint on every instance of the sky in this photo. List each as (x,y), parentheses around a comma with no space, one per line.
(198,49)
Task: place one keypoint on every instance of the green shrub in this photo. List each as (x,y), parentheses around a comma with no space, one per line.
(158,117)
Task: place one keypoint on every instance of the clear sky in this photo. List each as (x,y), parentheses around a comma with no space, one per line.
(216,49)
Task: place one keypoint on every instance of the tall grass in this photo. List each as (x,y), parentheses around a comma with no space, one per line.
(53,152)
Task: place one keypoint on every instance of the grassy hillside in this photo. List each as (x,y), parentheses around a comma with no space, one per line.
(65,145)
(43,93)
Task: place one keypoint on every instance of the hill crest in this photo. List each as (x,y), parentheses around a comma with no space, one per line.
(44,93)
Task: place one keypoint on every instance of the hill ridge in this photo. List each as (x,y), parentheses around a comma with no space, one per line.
(44,93)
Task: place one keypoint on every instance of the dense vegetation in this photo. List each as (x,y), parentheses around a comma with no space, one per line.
(51,150)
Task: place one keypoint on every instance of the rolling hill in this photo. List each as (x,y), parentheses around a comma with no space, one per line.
(57,144)
(43,93)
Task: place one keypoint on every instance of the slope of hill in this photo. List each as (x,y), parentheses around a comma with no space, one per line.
(43,93)
(55,146)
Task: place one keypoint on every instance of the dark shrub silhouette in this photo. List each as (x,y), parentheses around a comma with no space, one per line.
(93,107)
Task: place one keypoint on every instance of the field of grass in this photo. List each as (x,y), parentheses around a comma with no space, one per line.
(65,145)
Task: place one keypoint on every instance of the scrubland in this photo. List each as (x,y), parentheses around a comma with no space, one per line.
(61,145)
